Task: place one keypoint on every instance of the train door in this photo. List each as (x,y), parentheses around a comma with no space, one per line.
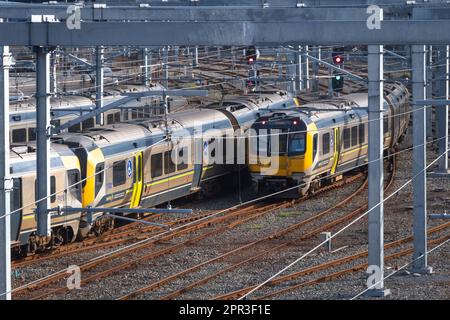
(198,162)
(336,150)
(16,204)
(138,178)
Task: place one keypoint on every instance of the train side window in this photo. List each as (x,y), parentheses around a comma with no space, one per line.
(156,165)
(346,138)
(19,135)
(31,134)
(75,128)
(117,117)
(314,145)
(354,136)
(52,189)
(169,166)
(99,177)
(134,114)
(362,133)
(73,177)
(88,123)
(110,119)
(326,143)
(119,173)
(385,124)
(182,165)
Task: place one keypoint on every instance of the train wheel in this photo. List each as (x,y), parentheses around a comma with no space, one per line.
(102,225)
(19,252)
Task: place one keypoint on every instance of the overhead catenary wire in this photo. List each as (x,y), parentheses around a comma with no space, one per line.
(193,222)
(257,287)
(215,84)
(231,137)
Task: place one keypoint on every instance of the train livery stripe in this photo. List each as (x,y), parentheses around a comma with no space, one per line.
(138,178)
(181,175)
(355,150)
(94,157)
(337,145)
(309,156)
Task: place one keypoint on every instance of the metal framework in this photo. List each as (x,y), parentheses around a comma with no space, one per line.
(5,179)
(222,26)
(376,168)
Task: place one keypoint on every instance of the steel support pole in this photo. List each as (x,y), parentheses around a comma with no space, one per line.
(291,73)
(5,184)
(330,76)
(54,58)
(376,174)
(176,52)
(297,60)
(99,84)
(442,83)
(315,69)
(166,67)
(305,71)
(196,57)
(149,66)
(146,73)
(429,77)
(419,161)
(43,139)
(299,84)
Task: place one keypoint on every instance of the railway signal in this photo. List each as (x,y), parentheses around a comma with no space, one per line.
(337,83)
(338,56)
(253,79)
(251,55)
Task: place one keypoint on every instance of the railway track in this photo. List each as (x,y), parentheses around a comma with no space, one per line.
(229,220)
(252,246)
(128,233)
(331,264)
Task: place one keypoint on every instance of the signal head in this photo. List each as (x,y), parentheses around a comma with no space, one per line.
(338,59)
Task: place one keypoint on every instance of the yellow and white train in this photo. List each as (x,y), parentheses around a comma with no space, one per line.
(126,165)
(320,141)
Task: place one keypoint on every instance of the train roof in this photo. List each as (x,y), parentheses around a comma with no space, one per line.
(115,133)
(23,157)
(327,112)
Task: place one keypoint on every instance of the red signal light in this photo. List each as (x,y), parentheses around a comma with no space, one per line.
(338,59)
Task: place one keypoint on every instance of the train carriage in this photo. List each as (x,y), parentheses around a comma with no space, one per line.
(128,165)
(64,189)
(320,141)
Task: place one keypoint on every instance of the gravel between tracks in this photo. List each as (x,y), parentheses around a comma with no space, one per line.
(398,224)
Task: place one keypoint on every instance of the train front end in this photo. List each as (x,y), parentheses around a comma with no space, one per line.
(281,154)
